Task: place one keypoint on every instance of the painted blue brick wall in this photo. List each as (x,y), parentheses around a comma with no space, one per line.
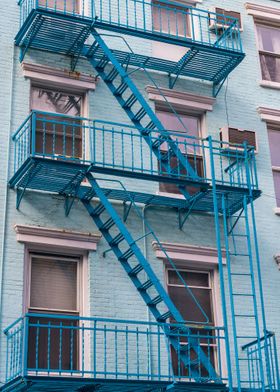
(110,292)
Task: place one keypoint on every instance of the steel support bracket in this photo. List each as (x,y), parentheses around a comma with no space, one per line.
(217,86)
(75,57)
(180,65)
(72,193)
(21,192)
(126,210)
(236,221)
(24,49)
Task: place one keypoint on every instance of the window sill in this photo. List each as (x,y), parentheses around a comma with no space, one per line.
(269,84)
(277,211)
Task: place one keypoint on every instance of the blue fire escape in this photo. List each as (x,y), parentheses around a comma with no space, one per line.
(144,150)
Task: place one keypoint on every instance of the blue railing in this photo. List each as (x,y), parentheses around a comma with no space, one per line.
(155,18)
(262,359)
(121,149)
(66,346)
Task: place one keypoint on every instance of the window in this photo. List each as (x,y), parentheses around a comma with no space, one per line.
(61,5)
(269,51)
(54,288)
(274,144)
(170,19)
(57,135)
(192,128)
(200,283)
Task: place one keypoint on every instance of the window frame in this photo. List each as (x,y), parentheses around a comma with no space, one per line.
(275,128)
(201,131)
(262,52)
(82,286)
(66,89)
(212,273)
(62,257)
(188,34)
(58,251)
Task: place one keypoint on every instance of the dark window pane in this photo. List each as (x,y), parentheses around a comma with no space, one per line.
(191,278)
(179,368)
(195,162)
(51,347)
(188,307)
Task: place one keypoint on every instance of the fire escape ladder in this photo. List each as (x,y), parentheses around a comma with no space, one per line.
(127,251)
(242,270)
(116,77)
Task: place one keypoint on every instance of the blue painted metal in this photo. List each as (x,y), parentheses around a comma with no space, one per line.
(232,186)
(134,104)
(121,150)
(112,340)
(213,52)
(256,352)
(134,263)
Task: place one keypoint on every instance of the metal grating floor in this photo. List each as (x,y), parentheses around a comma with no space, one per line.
(52,176)
(68,384)
(66,35)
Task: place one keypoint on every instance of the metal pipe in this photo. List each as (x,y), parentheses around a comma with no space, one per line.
(5,205)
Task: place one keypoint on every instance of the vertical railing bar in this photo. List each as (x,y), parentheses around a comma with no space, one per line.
(126,351)
(116,351)
(60,348)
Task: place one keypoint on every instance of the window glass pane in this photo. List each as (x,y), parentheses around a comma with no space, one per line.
(172,123)
(183,299)
(274,144)
(270,66)
(269,38)
(276,178)
(55,102)
(53,284)
(191,278)
(170,19)
(61,5)
(188,307)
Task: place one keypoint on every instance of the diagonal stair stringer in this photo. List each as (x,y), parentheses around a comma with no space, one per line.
(151,301)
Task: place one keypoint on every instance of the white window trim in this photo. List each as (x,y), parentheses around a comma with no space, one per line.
(58,238)
(263,13)
(198,104)
(196,258)
(59,78)
(271,117)
(269,16)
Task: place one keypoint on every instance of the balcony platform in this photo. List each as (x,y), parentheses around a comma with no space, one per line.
(54,154)
(210,54)
(73,384)
(54,176)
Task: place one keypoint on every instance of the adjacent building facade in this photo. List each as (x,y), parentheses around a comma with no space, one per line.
(140,194)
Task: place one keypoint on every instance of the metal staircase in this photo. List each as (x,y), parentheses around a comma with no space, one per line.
(135,106)
(210,55)
(151,290)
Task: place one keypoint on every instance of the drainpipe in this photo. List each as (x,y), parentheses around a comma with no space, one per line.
(5,205)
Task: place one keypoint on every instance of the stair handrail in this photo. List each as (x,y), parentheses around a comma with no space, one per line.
(149,77)
(149,227)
